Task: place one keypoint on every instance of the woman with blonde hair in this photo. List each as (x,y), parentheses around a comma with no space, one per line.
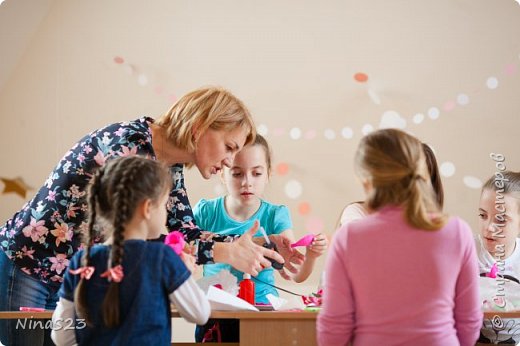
(405,274)
(205,128)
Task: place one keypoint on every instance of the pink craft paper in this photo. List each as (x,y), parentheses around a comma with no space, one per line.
(304,241)
(175,240)
(493,272)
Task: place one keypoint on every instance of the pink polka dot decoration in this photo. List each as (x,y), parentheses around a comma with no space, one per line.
(310,134)
(282,168)
(449,106)
(304,208)
(118,60)
(361,77)
(278,131)
(511,69)
(314,224)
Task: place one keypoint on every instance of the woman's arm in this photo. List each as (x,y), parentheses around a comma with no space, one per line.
(244,255)
(63,313)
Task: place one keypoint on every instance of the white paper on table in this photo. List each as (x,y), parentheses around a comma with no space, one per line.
(221,300)
(275,301)
(224,278)
(284,304)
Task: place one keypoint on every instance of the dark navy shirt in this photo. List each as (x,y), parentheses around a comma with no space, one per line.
(151,272)
(42,237)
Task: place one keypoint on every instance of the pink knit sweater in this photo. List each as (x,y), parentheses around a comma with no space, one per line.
(387,283)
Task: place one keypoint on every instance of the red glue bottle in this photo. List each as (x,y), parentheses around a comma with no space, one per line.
(247,289)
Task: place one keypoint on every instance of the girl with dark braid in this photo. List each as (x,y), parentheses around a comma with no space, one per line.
(119,292)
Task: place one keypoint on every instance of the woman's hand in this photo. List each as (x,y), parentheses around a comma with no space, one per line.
(244,255)
(290,255)
(318,246)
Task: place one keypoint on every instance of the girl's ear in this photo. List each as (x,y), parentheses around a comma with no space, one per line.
(146,208)
(367,185)
(195,133)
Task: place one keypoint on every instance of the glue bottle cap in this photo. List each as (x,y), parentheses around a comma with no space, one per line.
(247,276)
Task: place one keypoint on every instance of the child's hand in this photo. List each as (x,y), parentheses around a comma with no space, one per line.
(188,259)
(318,246)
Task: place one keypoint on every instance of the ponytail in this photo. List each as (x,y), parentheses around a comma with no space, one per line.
(394,162)
(419,211)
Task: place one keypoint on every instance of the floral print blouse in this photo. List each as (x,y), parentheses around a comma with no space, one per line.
(42,237)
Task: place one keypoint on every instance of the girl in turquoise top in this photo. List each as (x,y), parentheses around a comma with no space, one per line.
(236,212)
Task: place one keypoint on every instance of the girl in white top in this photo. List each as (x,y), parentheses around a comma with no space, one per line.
(498,251)
(499,225)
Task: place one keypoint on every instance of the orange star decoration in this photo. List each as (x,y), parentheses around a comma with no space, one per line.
(16,185)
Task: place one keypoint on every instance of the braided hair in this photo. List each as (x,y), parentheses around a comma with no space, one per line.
(114,193)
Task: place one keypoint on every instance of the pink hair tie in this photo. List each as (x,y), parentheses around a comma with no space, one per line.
(84,272)
(114,274)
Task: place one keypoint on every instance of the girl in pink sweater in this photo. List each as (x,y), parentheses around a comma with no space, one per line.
(404,275)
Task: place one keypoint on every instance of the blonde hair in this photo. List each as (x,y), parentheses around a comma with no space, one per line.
(395,164)
(200,109)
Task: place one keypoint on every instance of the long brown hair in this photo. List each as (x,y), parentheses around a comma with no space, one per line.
(114,193)
(435,176)
(394,163)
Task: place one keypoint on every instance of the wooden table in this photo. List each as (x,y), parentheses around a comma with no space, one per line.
(270,328)
(274,328)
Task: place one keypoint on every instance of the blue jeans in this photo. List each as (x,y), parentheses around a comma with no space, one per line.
(19,289)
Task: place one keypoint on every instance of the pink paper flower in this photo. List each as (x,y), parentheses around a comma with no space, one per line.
(175,240)
(304,241)
(493,272)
